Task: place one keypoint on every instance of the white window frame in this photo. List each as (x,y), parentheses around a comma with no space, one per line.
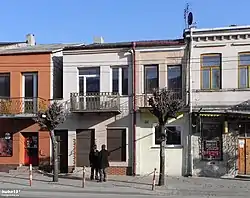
(123,164)
(168,145)
(120,67)
(35,93)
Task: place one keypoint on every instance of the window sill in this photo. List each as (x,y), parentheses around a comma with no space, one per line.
(167,146)
(122,164)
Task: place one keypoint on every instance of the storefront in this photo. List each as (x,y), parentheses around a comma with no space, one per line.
(215,143)
(22,143)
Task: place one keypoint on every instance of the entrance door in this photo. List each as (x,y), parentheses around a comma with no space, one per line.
(31,149)
(89,88)
(244,156)
(85,139)
(62,150)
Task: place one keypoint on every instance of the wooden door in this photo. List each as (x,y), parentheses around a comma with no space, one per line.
(85,138)
(244,156)
(62,150)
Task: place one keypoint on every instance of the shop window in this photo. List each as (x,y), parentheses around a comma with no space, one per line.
(211,140)
(6,145)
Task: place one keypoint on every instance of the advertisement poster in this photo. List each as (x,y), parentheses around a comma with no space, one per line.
(6,146)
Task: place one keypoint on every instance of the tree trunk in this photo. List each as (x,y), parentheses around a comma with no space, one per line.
(162,158)
(55,156)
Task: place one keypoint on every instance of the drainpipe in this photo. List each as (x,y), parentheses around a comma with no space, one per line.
(134,108)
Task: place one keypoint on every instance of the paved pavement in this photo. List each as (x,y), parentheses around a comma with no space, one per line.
(122,186)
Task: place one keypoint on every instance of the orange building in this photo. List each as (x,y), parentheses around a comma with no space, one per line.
(30,77)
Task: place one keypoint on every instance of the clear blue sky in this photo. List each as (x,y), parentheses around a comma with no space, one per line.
(64,21)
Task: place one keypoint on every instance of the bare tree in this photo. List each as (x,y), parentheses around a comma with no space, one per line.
(165,104)
(50,119)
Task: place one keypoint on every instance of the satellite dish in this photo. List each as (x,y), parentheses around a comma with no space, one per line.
(190,18)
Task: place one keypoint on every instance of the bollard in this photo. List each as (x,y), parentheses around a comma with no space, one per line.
(30,174)
(83,176)
(153,183)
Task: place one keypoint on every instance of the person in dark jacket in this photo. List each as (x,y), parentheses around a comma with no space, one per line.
(103,163)
(94,162)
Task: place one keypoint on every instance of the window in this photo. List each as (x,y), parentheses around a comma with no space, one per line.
(30,92)
(211,141)
(244,66)
(6,145)
(151,78)
(89,80)
(5,85)
(211,71)
(175,79)
(173,135)
(120,80)
(116,143)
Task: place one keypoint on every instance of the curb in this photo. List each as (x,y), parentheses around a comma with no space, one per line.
(60,176)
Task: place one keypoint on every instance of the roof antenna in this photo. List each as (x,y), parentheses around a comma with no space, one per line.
(186,11)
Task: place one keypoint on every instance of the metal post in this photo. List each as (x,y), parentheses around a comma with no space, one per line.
(83,176)
(30,174)
(190,160)
(153,183)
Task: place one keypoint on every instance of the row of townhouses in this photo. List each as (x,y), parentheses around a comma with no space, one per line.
(105,89)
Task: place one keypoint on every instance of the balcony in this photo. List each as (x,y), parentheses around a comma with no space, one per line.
(21,107)
(142,99)
(95,102)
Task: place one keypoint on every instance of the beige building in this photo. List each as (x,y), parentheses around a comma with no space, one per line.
(160,66)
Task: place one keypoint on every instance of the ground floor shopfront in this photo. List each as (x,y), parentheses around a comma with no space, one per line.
(82,131)
(220,144)
(22,143)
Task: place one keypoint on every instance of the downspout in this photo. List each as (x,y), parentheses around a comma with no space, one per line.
(134,107)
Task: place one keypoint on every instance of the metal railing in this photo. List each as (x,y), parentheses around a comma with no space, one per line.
(94,102)
(14,106)
(142,100)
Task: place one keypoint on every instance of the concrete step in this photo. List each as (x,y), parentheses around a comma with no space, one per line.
(22,170)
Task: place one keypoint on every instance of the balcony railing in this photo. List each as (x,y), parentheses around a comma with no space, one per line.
(142,99)
(95,102)
(21,106)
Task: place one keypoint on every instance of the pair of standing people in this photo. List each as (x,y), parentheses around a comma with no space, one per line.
(99,163)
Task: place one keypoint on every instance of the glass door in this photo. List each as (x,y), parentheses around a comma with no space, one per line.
(89,92)
(92,92)
(30,93)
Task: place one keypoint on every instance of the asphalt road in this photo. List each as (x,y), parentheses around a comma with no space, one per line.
(38,193)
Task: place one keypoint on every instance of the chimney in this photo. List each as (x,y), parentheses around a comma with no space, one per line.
(30,39)
(98,40)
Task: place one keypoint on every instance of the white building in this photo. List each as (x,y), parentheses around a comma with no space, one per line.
(97,86)
(220,61)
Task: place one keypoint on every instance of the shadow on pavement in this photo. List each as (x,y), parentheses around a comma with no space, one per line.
(16,183)
(23,178)
(68,176)
(130,182)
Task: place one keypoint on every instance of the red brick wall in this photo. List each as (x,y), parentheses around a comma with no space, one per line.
(115,170)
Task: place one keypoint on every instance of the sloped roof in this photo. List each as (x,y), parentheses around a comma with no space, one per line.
(148,43)
(39,48)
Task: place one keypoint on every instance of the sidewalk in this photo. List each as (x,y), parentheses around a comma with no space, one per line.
(132,185)
(43,183)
